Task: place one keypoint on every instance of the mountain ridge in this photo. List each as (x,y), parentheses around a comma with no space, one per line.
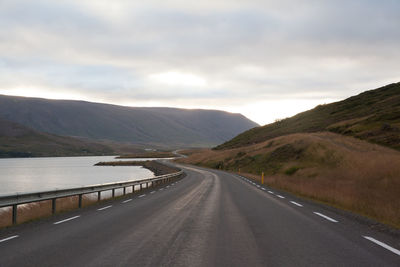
(373,115)
(160,126)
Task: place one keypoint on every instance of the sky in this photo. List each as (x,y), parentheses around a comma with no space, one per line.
(265,59)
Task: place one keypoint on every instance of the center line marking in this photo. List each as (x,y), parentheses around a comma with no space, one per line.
(395,251)
(103,208)
(270,192)
(280,196)
(326,217)
(66,220)
(125,201)
(152,192)
(295,203)
(142,195)
(8,238)
(263,188)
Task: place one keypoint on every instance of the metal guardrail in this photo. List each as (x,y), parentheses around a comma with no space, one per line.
(24,198)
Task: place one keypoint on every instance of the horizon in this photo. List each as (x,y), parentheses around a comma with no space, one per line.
(246,57)
(194,108)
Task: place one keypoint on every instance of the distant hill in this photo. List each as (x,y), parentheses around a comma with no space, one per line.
(165,127)
(318,154)
(20,141)
(373,116)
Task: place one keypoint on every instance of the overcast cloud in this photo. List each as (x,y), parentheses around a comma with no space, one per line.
(265,59)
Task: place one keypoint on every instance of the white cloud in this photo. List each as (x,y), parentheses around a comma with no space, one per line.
(255,57)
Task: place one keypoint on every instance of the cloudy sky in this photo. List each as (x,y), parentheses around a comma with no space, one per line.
(264,59)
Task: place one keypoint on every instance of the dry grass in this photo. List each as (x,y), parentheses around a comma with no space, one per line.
(342,171)
(36,210)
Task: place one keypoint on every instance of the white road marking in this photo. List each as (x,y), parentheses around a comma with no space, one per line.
(106,207)
(167,186)
(395,251)
(66,220)
(152,192)
(295,203)
(280,196)
(263,188)
(326,217)
(125,201)
(142,195)
(8,238)
(258,186)
(270,192)
(161,189)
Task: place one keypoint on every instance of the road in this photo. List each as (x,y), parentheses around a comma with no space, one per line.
(208,218)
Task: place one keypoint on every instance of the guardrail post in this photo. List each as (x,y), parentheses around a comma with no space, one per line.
(53,205)
(113,192)
(124,190)
(14,214)
(80,200)
(99,196)
(141,186)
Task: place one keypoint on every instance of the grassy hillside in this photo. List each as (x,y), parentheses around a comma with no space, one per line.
(341,171)
(19,141)
(165,127)
(373,116)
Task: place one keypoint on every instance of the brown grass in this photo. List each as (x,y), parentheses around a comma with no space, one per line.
(36,210)
(341,171)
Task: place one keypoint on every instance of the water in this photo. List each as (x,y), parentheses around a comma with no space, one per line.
(18,175)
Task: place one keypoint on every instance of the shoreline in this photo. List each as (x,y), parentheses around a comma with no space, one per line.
(154,166)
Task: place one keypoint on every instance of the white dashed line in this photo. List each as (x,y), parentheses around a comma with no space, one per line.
(66,220)
(395,251)
(270,192)
(8,238)
(325,217)
(152,192)
(103,208)
(167,186)
(280,196)
(125,201)
(262,188)
(295,203)
(142,195)
(161,189)
(258,186)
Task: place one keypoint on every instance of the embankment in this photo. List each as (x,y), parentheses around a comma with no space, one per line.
(154,166)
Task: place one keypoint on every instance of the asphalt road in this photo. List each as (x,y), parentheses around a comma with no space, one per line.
(208,218)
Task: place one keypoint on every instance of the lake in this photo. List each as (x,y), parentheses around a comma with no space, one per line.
(39,174)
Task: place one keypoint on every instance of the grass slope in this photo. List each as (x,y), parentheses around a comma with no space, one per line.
(20,141)
(341,171)
(373,116)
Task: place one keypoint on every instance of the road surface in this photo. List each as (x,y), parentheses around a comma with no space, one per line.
(208,218)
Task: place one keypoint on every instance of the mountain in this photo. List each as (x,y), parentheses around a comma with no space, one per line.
(165,127)
(373,116)
(20,141)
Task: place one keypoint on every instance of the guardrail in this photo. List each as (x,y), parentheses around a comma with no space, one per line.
(24,198)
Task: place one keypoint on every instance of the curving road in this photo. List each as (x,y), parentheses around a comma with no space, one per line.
(208,218)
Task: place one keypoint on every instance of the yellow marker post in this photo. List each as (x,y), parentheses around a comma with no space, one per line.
(262,178)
